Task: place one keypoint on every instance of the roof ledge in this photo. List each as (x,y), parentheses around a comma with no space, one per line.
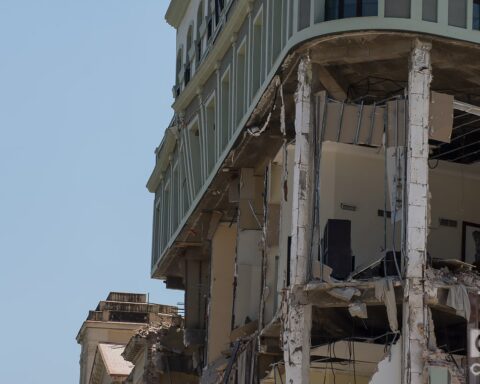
(175,12)
(163,153)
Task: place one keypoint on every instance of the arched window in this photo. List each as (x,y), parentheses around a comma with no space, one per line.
(189,41)
(218,10)
(188,66)
(179,65)
(200,19)
(210,20)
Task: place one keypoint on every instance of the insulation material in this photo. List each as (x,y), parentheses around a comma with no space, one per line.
(358,310)
(344,294)
(396,123)
(354,124)
(384,291)
(321,271)
(441,117)
(458,299)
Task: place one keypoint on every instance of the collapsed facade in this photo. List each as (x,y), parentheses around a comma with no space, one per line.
(316,193)
(126,340)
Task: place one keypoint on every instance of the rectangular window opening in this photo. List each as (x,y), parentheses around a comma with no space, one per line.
(476,15)
(303,14)
(430,10)
(211,135)
(257,53)
(240,83)
(457,13)
(225,112)
(341,9)
(398,8)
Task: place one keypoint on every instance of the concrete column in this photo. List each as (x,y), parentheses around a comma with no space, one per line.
(415,312)
(248,261)
(297,324)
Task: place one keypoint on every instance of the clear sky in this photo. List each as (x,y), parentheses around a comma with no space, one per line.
(85,95)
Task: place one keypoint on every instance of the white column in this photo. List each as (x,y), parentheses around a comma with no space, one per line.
(297,324)
(415,313)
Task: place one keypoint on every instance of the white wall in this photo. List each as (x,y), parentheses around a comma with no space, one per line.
(455,193)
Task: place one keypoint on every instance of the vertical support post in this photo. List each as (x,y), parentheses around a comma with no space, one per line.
(415,312)
(297,325)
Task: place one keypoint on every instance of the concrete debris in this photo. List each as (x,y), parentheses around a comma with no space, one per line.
(322,272)
(385,292)
(442,359)
(345,294)
(444,276)
(358,310)
(389,370)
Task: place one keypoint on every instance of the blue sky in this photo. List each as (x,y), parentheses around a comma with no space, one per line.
(85,94)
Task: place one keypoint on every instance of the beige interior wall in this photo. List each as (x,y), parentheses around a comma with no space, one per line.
(249,275)
(221,289)
(354,175)
(455,193)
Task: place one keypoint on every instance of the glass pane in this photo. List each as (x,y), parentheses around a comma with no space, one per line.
(331,9)
(476,14)
(303,14)
(429,10)
(350,8)
(397,8)
(457,13)
(369,7)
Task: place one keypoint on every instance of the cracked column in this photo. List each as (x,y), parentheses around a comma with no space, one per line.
(298,318)
(415,311)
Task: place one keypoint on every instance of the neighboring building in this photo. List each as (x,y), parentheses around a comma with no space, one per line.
(316,193)
(108,329)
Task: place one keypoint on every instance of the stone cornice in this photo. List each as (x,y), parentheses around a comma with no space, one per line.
(175,12)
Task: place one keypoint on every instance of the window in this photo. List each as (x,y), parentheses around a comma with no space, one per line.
(211,134)
(199,34)
(179,66)
(457,13)
(476,14)
(175,196)
(397,8)
(241,82)
(189,51)
(225,112)
(429,10)
(257,62)
(303,14)
(218,10)
(340,9)
(195,156)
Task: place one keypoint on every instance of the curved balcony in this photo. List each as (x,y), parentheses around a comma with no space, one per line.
(267,31)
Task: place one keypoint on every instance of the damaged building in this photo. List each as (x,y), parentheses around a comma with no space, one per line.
(317,190)
(127,340)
